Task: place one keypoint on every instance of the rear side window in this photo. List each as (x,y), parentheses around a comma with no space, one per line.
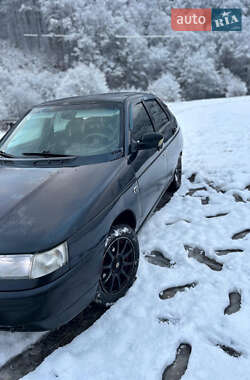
(141,122)
(159,116)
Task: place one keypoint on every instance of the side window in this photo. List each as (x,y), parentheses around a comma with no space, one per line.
(159,116)
(141,122)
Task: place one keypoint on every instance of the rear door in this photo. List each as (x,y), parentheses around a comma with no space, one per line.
(148,164)
(163,124)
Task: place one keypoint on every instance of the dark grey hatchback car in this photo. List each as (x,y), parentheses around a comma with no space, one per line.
(79,176)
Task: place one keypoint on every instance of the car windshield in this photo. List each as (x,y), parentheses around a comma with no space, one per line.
(88,130)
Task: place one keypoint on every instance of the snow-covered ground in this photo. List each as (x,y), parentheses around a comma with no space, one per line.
(129,341)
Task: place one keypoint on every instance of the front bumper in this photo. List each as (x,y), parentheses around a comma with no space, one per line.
(51,305)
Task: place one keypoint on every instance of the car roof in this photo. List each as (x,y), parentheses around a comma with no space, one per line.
(106,97)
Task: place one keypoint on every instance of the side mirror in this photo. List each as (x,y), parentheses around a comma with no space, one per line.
(149,141)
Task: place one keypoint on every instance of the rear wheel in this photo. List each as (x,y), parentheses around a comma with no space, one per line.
(120,263)
(173,187)
(176,183)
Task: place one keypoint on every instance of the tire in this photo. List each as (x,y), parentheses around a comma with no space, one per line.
(120,264)
(176,183)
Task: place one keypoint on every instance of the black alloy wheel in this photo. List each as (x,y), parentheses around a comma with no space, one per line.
(120,263)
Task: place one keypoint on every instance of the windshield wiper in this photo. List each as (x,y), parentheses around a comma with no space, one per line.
(4,154)
(46,154)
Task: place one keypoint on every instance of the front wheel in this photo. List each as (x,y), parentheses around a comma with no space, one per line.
(120,263)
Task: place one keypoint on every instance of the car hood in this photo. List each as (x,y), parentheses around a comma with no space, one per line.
(41,207)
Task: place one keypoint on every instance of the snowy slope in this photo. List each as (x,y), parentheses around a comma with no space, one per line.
(129,341)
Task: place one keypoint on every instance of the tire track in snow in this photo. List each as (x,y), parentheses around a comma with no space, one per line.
(27,361)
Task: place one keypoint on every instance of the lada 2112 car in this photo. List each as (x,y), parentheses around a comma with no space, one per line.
(79,176)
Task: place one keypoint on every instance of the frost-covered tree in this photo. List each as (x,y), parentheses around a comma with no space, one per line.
(199,77)
(81,80)
(87,34)
(25,81)
(233,85)
(166,87)
(23,90)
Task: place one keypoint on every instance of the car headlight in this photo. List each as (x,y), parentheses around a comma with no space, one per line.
(33,266)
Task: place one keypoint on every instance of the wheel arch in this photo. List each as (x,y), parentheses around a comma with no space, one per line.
(125,217)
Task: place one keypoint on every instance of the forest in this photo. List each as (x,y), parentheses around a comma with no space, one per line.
(51,49)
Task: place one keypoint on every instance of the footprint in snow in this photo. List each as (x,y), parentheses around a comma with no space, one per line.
(214,187)
(157,258)
(241,234)
(238,198)
(178,220)
(191,192)
(177,369)
(211,184)
(230,351)
(173,321)
(192,177)
(205,200)
(222,252)
(199,255)
(171,292)
(217,215)
(234,303)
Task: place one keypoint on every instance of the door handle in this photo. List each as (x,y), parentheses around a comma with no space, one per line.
(136,189)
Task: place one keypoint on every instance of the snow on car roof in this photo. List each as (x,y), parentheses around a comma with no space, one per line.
(109,97)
